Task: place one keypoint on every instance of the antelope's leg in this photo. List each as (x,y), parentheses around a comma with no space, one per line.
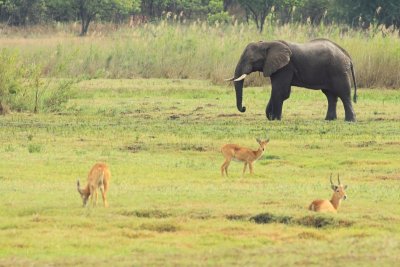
(251,167)
(104,196)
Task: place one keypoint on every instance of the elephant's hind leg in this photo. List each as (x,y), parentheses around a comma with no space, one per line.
(348,109)
(343,89)
(332,101)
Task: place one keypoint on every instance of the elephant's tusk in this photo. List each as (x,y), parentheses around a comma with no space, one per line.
(230,79)
(240,78)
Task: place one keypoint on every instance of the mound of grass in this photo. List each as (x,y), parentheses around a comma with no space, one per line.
(315,221)
(264,218)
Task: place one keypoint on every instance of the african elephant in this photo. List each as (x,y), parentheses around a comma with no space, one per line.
(318,64)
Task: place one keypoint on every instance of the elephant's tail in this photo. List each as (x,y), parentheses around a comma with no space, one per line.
(355,84)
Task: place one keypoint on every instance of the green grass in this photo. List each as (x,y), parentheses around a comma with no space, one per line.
(168,203)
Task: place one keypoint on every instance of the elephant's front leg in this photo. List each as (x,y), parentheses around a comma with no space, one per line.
(274,109)
(281,84)
(332,101)
(268,110)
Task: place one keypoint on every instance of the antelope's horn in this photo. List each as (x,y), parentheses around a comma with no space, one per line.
(230,79)
(338,179)
(331,179)
(240,78)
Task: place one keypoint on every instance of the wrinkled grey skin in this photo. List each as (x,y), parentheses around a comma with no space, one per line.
(319,65)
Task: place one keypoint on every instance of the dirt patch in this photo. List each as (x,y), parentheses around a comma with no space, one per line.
(160,227)
(135,234)
(237,217)
(389,177)
(192,147)
(201,215)
(136,147)
(271,157)
(174,117)
(269,203)
(312,146)
(361,144)
(228,115)
(310,235)
(365,162)
(393,143)
(146,214)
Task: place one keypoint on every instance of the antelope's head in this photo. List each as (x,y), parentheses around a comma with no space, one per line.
(263,143)
(339,190)
(84,195)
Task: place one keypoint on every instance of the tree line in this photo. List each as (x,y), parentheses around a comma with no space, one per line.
(355,13)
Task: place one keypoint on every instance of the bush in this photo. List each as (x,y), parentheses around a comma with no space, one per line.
(22,89)
(219,18)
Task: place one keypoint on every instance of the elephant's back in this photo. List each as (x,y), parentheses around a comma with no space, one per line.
(321,54)
(331,43)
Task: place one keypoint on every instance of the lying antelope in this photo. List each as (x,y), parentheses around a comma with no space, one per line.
(333,204)
(242,154)
(99,177)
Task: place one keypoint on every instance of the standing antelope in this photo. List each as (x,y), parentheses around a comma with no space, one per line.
(99,177)
(333,204)
(242,154)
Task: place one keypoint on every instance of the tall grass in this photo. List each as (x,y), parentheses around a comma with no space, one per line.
(193,50)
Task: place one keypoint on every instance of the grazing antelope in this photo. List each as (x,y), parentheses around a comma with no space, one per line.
(333,204)
(242,154)
(99,177)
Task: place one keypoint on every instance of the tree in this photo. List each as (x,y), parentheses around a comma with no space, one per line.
(89,9)
(363,13)
(258,10)
(23,12)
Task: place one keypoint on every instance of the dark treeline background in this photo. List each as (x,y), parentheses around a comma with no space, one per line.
(355,13)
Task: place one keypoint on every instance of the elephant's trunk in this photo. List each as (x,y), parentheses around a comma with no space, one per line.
(239,95)
(239,71)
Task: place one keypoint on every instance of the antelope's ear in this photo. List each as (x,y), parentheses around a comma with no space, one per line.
(334,187)
(258,140)
(345,187)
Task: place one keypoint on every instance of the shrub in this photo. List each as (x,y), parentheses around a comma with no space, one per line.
(23,89)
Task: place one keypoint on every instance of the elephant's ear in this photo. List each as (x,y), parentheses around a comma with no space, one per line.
(278,56)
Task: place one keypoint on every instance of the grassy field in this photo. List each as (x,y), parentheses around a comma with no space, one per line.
(169,204)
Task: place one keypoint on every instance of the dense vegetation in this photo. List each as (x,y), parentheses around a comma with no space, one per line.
(356,13)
